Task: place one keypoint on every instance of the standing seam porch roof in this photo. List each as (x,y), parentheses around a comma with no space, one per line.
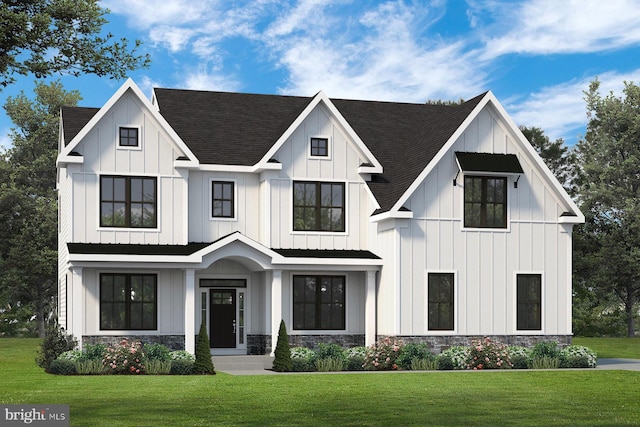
(226,128)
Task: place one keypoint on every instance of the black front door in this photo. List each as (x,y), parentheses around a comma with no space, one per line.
(223,318)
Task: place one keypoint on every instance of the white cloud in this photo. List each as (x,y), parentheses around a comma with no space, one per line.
(568,26)
(146,14)
(205,79)
(560,110)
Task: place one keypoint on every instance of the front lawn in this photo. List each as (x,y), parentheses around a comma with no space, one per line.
(558,397)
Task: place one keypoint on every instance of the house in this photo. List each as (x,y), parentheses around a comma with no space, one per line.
(351,220)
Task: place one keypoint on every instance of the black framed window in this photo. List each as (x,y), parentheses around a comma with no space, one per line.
(441,304)
(127,201)
(320,147)
(222,199)
(128,301)
(529,296)
(485,202)
(318,302)
(318,206)
(128,137)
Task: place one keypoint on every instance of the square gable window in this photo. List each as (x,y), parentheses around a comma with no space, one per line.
(129,137)
(319,147)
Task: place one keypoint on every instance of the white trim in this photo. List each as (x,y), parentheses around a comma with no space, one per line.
(329,147)
(129,147)
(456,303)
(233,218)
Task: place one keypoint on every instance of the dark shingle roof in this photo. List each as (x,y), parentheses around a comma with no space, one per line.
(326,253)
(133,249)
(239,129)
(75,118)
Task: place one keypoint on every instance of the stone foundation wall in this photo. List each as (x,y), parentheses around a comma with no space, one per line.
(172,342)
(258,344)
(437,344)
(312,341)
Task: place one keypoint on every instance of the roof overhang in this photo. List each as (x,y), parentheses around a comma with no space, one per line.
(488,163)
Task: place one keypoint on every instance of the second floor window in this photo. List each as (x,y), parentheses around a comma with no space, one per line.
(318,206)
(128,137)
(222,203)
(319,147)
(485,202)
(128,201)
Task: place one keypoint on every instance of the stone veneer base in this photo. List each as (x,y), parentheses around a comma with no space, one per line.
(439,343)
(172,342)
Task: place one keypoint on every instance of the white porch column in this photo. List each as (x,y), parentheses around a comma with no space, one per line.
(77,305)
(276,307)
(370,309)
(189,311)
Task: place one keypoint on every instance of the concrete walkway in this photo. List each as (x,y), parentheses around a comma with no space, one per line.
(261,365)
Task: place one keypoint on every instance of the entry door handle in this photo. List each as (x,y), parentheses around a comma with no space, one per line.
(234,326)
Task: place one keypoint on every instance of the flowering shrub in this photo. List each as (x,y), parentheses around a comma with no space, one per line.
(488,354)
(458,355)
(382,355)
(72,355)
(520,357)
(182,355)
(355,358)
(124,358)
(303,359)
(577,356)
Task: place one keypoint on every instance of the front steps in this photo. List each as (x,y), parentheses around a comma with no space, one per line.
(242,364)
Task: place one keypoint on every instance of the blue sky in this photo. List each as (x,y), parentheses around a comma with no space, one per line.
(536,56)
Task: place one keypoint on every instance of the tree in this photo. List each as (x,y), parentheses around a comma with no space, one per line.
(46,37)
(282,353)
(608,244)
(28,202)
(203,363)
(558,157)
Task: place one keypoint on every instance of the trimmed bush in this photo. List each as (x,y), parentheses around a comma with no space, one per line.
(62,367)
(157,352)
(458,355)
(577,356)
(203,364)
(519,356)
(545,349)
(411,352)
(355,358)
(303,359)
(282,360)
(182,355)
(181,367)
(444,362)
(55,342)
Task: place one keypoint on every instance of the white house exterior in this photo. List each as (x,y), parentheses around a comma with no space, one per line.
(349,220)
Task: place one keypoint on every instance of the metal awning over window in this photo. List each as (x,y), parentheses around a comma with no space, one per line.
(488,163)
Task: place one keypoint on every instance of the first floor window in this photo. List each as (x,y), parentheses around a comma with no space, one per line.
(529,296)
(318,302)
(440,301)
(485,202)
(222,199)
(128,201)
(128,301)
(318,206)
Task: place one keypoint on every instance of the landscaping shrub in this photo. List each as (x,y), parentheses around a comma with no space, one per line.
(444,362)
(488,354)
(411,352)
(355,358)
(157,352)
(519,357)
(329,364)
(545,362)
(90,367)
(282,353)
(55,342)
(158,367)
(545,355)
(203,364)
(182,355)
(93,352)
(577,356)
(124,358)
(181,367)
(72,355)
(424,364)
(330,357)
(382,356)
(458,355)
(303,359)
(62,367)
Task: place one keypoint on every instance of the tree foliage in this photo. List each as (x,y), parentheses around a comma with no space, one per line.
(607,246)
(45,37)
(28,205)
(203,364)
(282,353)
(558,157)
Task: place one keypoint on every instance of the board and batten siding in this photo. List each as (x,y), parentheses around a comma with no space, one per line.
(485,262)
(341,166)
(102,156)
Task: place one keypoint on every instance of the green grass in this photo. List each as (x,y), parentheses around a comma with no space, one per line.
(627,348)
(561,397)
